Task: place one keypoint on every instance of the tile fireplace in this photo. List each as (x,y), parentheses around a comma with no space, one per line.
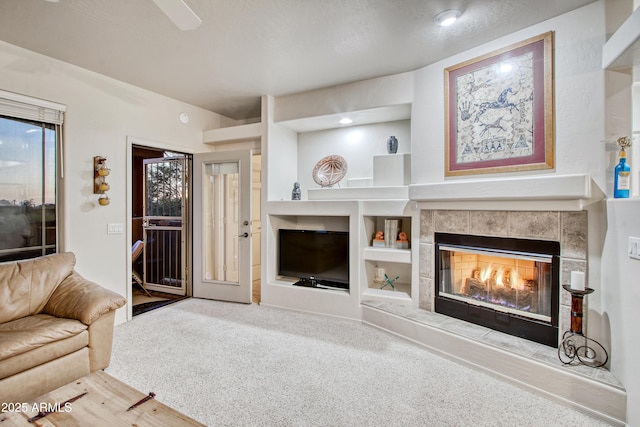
(568,229)
(507,284)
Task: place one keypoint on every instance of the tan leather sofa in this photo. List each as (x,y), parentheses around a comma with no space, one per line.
(55,326)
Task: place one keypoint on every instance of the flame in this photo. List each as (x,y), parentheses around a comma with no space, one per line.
(499,276)
(516,282)
(485,273)
(502,277)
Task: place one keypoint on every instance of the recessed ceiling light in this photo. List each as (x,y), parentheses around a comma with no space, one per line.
(447,17)
(345,121)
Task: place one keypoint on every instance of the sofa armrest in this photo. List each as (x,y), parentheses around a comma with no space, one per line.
(80,299)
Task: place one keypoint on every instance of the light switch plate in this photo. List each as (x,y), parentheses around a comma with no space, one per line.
(117,228)
(634,247)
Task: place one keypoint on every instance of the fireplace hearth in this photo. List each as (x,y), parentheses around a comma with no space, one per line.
(507,284)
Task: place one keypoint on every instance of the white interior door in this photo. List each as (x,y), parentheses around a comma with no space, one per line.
(222,226)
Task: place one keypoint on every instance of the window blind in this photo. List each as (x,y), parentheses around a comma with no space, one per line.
(28,108)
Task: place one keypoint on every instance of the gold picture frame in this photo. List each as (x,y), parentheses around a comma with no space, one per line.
(499,110)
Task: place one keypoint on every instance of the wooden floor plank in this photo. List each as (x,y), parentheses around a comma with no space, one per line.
(107,399)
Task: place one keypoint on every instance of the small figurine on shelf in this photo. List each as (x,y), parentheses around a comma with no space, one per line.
(378,241)
(392,145)
(403,241)
(389,282)
(622,178)
(296,193)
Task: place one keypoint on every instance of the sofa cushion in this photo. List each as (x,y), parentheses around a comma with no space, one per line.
(25,286)
(78,298)
(41,379)
(28,333)
(38,356)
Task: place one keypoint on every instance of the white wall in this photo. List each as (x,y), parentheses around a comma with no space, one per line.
(620,299)
(635,149)
(363,95)
(356,144)
(279,157)
(101,113)
(579,91)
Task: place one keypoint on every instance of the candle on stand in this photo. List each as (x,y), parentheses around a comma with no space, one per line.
(577,280)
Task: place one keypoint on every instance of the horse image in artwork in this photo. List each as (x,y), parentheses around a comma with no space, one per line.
(494,125)
(501,102)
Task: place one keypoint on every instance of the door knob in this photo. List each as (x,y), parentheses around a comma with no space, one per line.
(244,235)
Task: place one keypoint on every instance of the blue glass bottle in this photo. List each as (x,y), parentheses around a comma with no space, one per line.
(622,180)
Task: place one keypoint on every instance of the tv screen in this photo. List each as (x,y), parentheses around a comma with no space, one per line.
(318,253)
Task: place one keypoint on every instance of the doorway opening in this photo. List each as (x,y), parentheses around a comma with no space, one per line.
(160,226)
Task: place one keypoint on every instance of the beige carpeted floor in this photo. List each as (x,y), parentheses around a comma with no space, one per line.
(228,364)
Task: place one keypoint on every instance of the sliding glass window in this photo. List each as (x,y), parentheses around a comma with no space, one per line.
(28,212)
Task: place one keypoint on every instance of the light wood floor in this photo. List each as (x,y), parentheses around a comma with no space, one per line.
(256,291)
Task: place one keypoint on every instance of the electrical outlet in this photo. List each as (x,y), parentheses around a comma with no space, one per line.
(117,228)
(634,247)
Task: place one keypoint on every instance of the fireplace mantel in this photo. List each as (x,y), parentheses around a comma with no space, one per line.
(544,192)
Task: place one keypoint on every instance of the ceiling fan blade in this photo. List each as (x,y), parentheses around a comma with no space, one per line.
(179,13)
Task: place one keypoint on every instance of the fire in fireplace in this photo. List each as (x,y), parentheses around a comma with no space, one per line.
(510,285)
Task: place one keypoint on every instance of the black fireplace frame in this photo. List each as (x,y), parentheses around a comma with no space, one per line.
(521,326)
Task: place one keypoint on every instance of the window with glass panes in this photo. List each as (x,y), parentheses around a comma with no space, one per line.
(29,142)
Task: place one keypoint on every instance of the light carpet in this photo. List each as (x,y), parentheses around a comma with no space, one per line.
(228,364)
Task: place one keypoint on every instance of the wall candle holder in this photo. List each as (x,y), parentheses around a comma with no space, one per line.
(100,185)
(576,348)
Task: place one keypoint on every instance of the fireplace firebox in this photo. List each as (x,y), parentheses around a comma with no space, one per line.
(506,284)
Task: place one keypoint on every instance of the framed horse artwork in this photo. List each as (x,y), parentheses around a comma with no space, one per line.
(499,110)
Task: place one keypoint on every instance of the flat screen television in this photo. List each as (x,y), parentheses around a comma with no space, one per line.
(314,254)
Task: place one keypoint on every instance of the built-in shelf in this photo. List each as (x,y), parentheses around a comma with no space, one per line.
(558,192)
(361,117)
(359,193)
(279,291)
(398,264)
(398,295)
(387,254)
(623,47)
(230,134)
(282,282)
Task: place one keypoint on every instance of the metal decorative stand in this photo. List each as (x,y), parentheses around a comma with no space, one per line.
(576,348)
(389,282)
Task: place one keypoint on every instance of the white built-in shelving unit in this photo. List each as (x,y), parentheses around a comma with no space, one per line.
(279,291)
(233,134)
(360,210)
(400,265)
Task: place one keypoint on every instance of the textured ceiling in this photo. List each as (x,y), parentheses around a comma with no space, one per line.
(248,48)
